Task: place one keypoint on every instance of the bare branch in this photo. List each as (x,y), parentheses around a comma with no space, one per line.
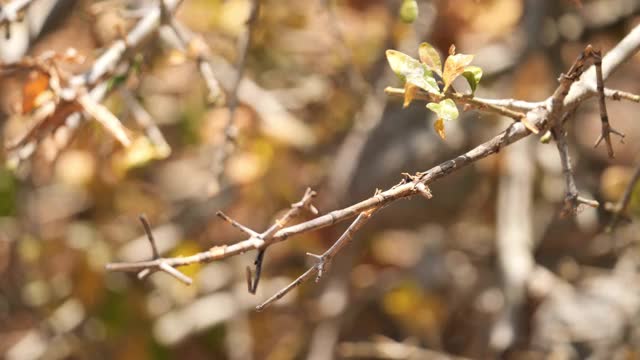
(198,48)
(572,200)
(607,130)
(621,95)
(323,261)
(623,51)
(513,104)
(144,119)
(230,131)
(109,60)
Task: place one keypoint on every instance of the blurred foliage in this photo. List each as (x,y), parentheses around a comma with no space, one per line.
(421,272)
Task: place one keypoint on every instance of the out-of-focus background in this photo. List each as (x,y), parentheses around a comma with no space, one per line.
(487,268)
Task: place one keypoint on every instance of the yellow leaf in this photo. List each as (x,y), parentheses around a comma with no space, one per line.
(410,91)
(438,126)
(139,153)
(454,66)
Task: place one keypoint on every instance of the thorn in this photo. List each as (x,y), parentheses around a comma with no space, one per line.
(175,273)
(237,225)
(249,280)
(147,230)
(315,256)
(607,130)
(144,273)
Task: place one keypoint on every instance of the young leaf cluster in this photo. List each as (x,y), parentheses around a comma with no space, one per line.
(430,75)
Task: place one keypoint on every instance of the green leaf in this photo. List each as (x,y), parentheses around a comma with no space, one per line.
(409,11)
(430,57)
(473,74)
(412,71)
(445,109)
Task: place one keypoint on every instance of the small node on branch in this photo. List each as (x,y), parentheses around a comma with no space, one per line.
(575,204)
(605,135)
(424,190)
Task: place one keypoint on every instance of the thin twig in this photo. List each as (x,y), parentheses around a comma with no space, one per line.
(224,150)
(144,119)
(621,207)
(199,49)
(621,95)
(607,130)
(572,200)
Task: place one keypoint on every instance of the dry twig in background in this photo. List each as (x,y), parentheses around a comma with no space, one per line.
(12,10)
(620,208)
(225,149)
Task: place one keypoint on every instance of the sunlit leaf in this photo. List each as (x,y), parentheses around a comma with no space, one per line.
(438,126)
(412,71)
(454,66)
(139,153)
(35,91)
(409,11)
(445,109)
(473,74)
(409,93)
(430,57)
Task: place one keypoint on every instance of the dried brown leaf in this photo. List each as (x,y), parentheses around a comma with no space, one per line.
(34,91)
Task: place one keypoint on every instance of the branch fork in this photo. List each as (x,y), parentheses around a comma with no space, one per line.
(260,239)
(161,265)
